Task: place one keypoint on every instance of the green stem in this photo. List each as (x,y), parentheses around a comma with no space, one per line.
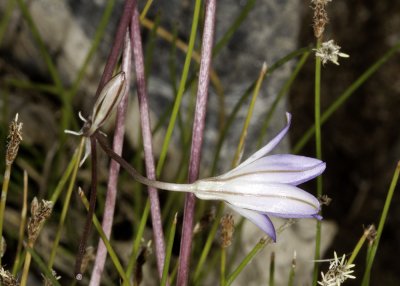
(181,89)
(317,115)
(66,206)
(223,266)
(138,240)
(272,270)
(374,247)
(169,251)
(4,191)
(360,243)
(257,248)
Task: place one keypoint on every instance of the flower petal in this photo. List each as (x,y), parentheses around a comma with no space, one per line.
(274,199)
(281,168)
(259,219)
(266,149)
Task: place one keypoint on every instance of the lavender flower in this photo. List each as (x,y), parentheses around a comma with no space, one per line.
(264,186)
(260,187)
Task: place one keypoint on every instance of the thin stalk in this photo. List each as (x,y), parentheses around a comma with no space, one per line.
(223,266)
(155,209)
(292,272)
(256,91)
(66,206)
(89,218)
(374,247)
(136,175)
(27,263)
(197,139)
(169,251)
(22,225)
(138,240)
(257,248)
(111,195)
(272,270)
(317,117)
(146,9)
(284,90)
(4,191)
(117,44)
(360,243)
(42,266)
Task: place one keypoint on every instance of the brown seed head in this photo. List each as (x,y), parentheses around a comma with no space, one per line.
(7,279)
(14,139)
(227,230)
(39,214)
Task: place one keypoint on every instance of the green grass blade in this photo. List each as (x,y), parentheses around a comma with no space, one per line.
(181,90)
(284,90)
(382,221)
(318,151)
(45,270)
(169,251)
(138,239)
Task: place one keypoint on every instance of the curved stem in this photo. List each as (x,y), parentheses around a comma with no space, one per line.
(137,176)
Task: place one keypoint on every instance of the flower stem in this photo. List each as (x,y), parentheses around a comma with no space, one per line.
(191,188)
(89,218)
(114,168)
(147,140)
(197,139)
(317,115)
(27,263)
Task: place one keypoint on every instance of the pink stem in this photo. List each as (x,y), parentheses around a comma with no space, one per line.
(147,140)
(197,140)
(117,45)
(114,168)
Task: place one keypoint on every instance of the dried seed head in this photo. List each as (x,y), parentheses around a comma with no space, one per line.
(320,16)
(7,279)
(227,230)
(39,214)
(370,232)
(325,200)
(339,271)
(14,139)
